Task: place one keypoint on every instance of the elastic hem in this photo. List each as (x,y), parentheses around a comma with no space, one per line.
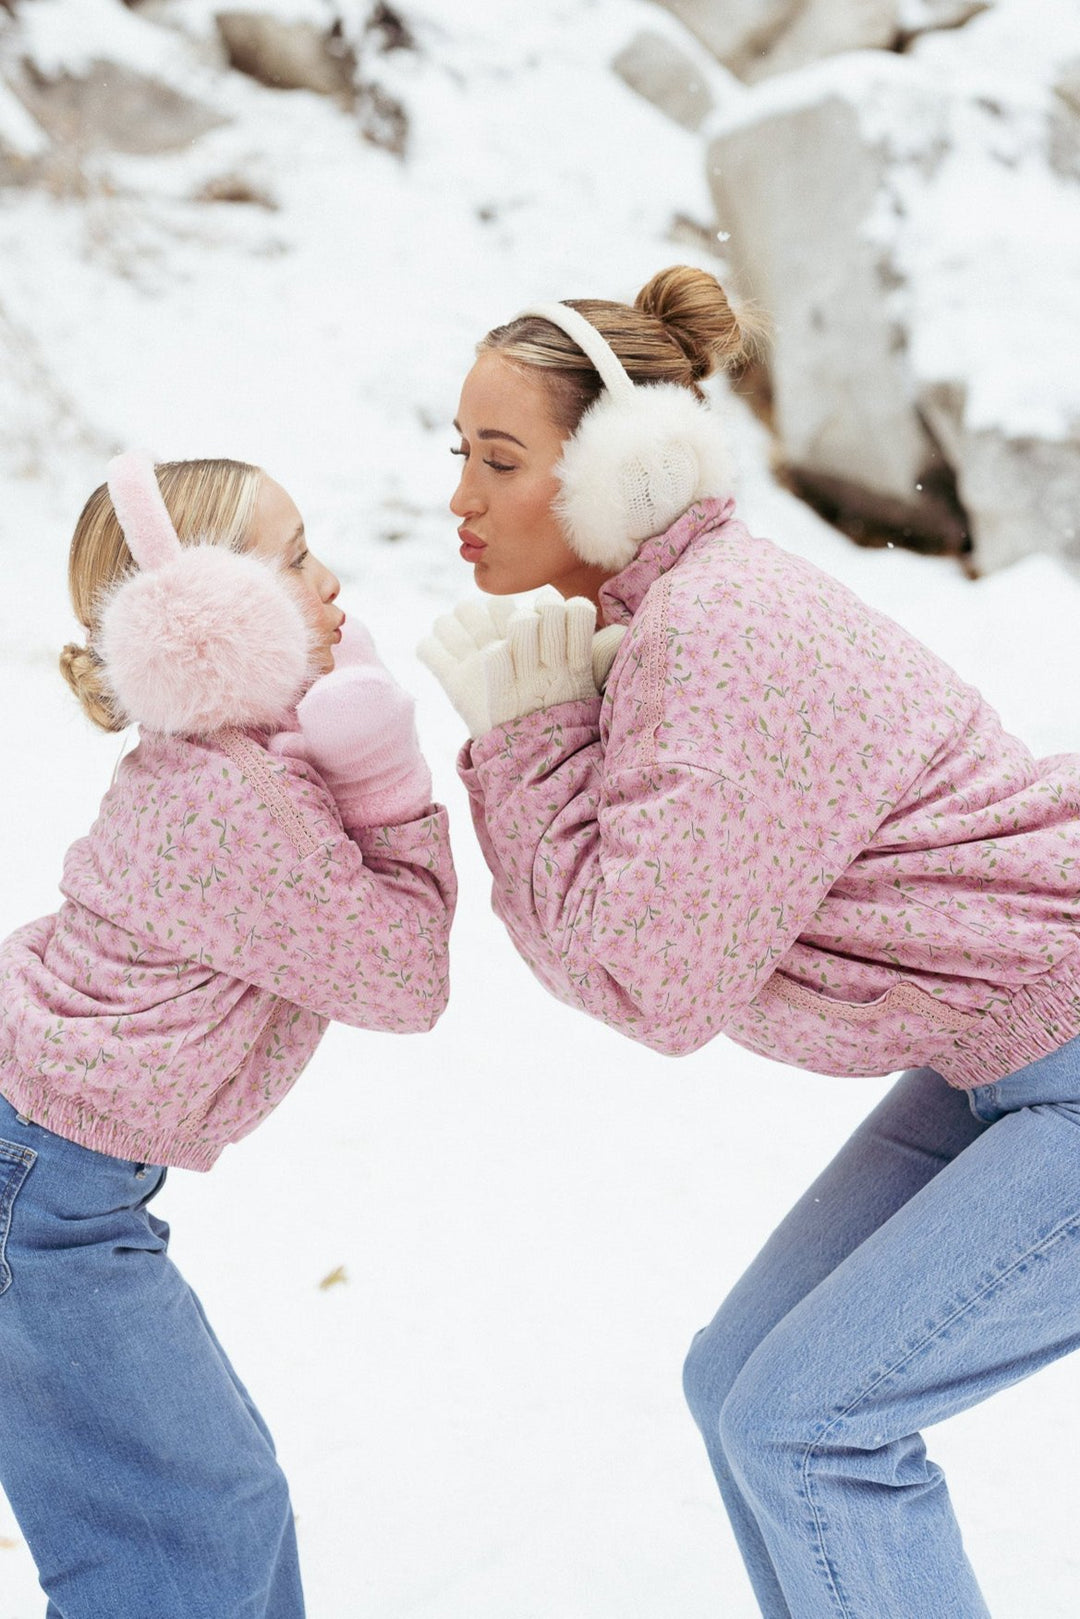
(76,1123)
(1033,1023)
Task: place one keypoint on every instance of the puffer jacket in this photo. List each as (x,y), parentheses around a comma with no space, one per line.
(789,822)
(215,919)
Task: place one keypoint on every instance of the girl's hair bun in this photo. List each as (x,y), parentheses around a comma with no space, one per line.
(84,674)
(694,308)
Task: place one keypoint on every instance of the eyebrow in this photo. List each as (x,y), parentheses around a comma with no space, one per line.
(299,535)
(486,433)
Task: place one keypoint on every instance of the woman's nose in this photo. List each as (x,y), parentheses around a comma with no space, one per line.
(465,501)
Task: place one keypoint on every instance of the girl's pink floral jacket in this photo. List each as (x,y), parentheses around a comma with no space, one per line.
(216,918)
(789,822)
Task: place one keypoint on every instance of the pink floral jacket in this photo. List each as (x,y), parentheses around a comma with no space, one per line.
(787,821)
(215,919)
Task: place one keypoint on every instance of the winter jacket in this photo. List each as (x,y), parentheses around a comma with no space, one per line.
(787,821)
(215,919)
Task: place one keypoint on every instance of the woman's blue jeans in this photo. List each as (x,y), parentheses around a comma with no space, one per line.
(936,1260)
(141,1474)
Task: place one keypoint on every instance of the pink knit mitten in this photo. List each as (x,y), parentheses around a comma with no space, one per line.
(357,729)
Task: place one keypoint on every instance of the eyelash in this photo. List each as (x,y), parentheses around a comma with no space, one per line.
(301,559)
(496,466)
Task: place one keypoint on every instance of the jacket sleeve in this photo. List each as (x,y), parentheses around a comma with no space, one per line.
(357,931)
(656,856)
(651,897)
(228,858)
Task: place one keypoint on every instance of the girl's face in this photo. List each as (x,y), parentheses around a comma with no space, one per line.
(277,533)
(510,445)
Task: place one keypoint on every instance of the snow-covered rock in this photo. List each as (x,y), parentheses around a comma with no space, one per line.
(819,28)
(735,32)
(1064,122)
(657,69)
(802,177)
(114,106)
(759,38)
(22,138)
(287,55)
(910,224)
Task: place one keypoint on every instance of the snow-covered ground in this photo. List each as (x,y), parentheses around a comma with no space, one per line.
(482,1419)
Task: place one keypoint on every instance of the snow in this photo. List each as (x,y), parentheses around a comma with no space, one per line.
(483,1420)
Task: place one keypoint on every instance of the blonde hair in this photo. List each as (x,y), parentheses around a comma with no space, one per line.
(681,328)
(211,501)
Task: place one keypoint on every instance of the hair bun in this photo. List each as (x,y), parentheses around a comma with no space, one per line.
(83,672)
(694,308)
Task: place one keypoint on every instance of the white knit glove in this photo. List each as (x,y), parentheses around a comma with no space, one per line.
(498,661)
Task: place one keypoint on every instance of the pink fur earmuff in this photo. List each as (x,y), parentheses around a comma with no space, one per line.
(199,637)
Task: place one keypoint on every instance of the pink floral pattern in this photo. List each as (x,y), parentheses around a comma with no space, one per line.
(215,919)
(787,821)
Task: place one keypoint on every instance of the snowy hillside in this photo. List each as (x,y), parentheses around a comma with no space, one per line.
(482,1417)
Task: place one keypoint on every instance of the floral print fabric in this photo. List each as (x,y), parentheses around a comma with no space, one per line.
(215,919)
(787,821)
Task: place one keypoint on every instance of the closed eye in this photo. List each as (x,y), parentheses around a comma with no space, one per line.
(496,466)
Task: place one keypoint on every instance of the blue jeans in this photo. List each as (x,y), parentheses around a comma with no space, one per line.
(141,1474)
(936,1260)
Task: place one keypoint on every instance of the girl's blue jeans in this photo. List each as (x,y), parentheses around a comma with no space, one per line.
(936,1260)
(140,1472)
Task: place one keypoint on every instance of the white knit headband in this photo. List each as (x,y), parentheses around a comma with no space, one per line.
(592,344)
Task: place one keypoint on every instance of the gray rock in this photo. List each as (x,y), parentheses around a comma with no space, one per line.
(759,38)
(113,107)
(22,140)
(822,178)
(1063,144)
(804,191)
(820,28)
(658,70)
(1021,493)
(287,55)
(915,17)
(735,31)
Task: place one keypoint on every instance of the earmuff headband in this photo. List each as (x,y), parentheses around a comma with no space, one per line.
(594,346)
(196,637)
(140,510)
(641,454)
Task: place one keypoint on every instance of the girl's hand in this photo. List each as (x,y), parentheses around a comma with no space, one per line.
(499,661)
(357,729)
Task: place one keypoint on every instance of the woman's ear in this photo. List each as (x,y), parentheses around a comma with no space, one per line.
(638,459)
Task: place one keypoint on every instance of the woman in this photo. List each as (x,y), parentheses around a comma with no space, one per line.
(786,820)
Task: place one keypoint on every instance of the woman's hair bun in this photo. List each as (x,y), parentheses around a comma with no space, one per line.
(694,308)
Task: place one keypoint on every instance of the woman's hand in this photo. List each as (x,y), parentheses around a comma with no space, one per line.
(357,729)
(498,661)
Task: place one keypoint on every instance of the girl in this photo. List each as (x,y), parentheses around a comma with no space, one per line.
(788,821)
(243,885)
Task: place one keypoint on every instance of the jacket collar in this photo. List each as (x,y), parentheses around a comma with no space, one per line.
(621,596)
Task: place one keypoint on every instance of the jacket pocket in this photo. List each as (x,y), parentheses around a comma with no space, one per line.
(15,1164)
(903,997)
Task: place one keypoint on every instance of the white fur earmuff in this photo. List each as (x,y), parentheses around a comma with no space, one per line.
(199,637)
(641,454)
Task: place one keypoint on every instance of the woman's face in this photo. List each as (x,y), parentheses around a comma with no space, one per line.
(510,445)
(276,532)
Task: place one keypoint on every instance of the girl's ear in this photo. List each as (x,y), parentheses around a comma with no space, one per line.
(208,640)
(198,637)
